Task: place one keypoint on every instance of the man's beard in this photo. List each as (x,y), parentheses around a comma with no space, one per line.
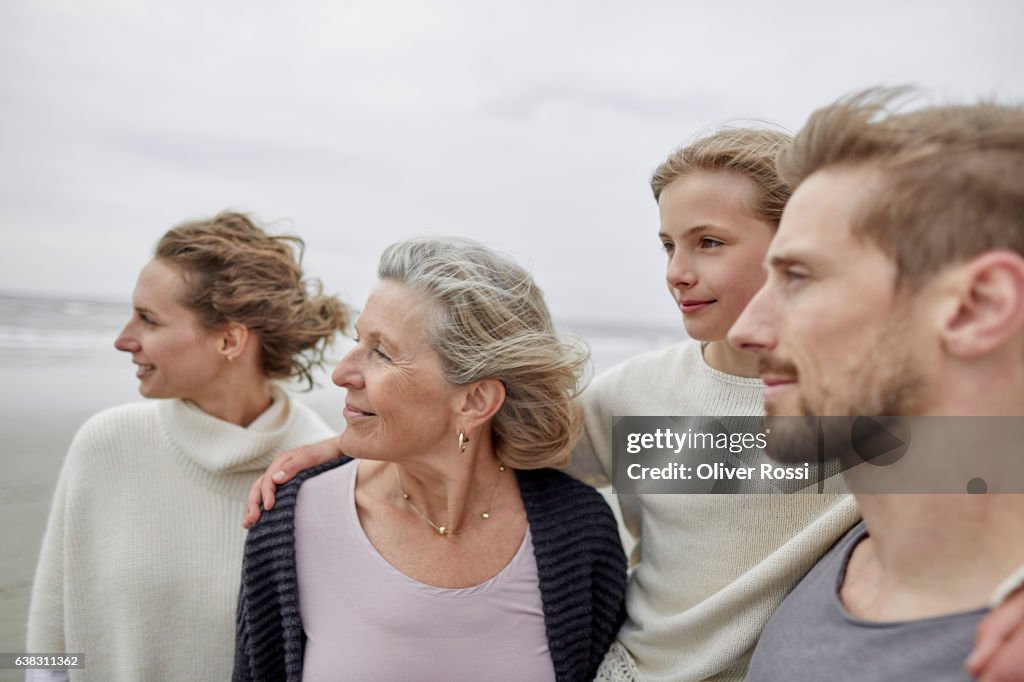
(898,394)
(894,385)
(887,385)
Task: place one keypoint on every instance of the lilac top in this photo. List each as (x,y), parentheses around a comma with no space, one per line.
(366,618)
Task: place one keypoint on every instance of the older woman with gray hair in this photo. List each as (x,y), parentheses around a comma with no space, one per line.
(443,546)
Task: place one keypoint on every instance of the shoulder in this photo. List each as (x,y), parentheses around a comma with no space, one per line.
(321,489)
(639,373)
(558,504)
(281,518)
(268,559)
(117,423)
(109,435)
(670,382)
(652,362)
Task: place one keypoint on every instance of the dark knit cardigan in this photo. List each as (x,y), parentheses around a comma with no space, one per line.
(580,565)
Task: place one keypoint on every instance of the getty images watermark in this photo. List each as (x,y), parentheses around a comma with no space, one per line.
(723,455)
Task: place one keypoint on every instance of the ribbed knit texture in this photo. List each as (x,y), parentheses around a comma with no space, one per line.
(581,568)
(712,568)
(580,565)
(140,560)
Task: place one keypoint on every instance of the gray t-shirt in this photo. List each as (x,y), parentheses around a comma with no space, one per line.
(812,636)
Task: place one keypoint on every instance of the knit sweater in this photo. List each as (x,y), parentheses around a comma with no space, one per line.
(140,560)
(580,565)
(712,568)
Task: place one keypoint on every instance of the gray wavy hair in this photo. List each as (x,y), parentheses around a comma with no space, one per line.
(490,321)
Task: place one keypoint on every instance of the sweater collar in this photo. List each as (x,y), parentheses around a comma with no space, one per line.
(219,447)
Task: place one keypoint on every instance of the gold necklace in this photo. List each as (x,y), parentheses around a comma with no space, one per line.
(445,530)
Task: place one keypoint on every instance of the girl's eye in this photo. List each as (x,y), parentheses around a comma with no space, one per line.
(667,247)
(709,243)
(146,320)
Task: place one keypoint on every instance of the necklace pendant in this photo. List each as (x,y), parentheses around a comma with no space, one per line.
(442,530)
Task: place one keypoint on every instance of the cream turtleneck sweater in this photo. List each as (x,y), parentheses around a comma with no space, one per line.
(712,568)
(141,559)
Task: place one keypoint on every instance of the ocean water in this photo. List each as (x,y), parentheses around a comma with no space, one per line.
(51,331)
(58,366)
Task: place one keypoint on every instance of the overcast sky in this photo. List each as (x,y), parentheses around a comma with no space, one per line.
(531,125)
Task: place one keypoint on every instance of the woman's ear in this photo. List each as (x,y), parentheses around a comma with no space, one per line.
(480,400)
(233,339)
(989,306)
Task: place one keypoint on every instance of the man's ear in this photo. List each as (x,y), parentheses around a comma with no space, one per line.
(989,306)
(480,401)
(233,339)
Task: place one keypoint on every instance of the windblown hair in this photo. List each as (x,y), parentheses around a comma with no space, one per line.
(236,272)
(947,180)
(748,152)
(490,321)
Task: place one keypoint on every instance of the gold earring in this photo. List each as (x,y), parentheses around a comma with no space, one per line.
(462,441)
